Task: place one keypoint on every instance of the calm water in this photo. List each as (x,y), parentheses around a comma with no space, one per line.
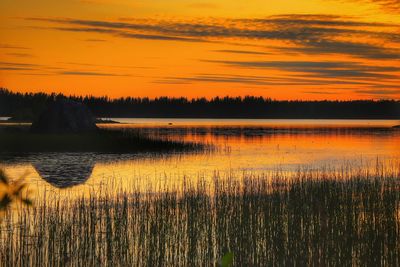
(255,146)
(255,122)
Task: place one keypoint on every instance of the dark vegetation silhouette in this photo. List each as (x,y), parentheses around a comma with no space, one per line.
(65,116)
(12,191)
(103,141)
(27,106)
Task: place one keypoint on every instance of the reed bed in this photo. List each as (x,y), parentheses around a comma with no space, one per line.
(322,217)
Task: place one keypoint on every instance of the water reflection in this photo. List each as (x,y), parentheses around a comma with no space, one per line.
(255,132)
(246,148)
(65,170)
(60,170)
(69,170)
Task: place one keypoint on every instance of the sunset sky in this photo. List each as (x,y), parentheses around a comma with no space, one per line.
(286,49)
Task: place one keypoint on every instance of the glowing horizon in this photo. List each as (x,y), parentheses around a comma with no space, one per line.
(322,49)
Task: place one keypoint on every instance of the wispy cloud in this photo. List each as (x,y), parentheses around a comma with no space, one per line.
(124,34)
(315,19)
(379,92)
(221,78)
(89,73)
(95,40)
(257,80)
(245,52)
(356,49)
(22,55)
(322,92)
(332,69)
(37,69)
(392,6)
(320,84)
(308,34)
(8,46)
(369,51)
(17,64)
(14,68)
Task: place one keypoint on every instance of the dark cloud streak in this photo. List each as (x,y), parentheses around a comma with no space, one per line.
(308,34)
(362,50)
(245,52)
(255,80)
(88,73)
(36,69)
(322,69)
(392,6)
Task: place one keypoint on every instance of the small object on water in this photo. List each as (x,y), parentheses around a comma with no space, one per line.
(170,123)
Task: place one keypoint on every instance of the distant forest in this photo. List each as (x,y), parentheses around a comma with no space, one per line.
(31,104)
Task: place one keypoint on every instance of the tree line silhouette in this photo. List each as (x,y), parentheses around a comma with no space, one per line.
(29,105)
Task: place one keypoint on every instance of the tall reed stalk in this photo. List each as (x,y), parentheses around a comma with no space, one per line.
(325,217)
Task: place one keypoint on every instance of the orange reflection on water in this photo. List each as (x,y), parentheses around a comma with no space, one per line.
(239,149)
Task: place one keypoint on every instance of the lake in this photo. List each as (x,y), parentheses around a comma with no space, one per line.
(253,147)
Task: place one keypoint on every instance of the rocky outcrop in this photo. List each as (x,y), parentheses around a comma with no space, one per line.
(65,116)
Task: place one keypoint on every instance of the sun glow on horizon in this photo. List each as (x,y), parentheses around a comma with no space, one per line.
(321,49)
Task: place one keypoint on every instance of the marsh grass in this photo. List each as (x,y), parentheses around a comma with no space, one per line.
(325,217)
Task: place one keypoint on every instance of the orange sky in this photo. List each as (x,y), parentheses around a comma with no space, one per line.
(287,49)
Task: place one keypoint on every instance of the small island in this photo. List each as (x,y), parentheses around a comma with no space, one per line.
(69,126)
